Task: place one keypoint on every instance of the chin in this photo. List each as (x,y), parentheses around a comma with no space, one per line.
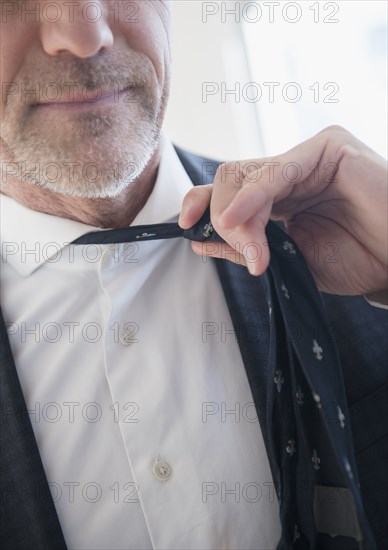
(100,167)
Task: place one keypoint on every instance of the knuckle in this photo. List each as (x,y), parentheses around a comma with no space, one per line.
(216,224)
(191,195)
(220,172)
(335,129)
(349,150)
(229,172)
(251,178)
(201,192)
(204,193)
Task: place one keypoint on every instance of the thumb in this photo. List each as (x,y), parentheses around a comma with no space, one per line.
(194,205)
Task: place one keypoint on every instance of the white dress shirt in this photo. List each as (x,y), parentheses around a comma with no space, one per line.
(134,383)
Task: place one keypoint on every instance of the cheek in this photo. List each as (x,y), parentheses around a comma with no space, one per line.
(149,33)
(15,45)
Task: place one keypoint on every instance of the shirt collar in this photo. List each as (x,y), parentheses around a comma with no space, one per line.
(23,230)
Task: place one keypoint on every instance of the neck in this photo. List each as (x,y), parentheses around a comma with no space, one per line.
(114,212)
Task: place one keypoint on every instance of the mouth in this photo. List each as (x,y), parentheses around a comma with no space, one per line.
(79,103)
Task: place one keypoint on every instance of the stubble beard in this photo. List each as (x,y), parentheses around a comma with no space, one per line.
(94,154)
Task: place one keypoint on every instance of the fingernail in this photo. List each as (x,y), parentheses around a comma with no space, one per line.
(184,212)
(252,267)
(251,264)
(197,248)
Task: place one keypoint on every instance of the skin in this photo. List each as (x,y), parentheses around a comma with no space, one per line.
(345,208)
(336,213)
(120,47)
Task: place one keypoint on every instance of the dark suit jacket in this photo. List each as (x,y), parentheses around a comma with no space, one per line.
(28,515)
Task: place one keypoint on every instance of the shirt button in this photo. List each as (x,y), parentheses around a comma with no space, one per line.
(127,337)
(162,470)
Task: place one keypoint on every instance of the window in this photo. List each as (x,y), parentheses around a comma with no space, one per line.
(313,64)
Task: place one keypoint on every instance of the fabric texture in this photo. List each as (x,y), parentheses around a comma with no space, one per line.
(318,375)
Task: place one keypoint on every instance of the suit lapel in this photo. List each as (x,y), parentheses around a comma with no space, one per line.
(28,515)
(247,304)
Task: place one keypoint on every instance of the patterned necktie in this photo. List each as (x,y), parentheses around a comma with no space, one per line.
(310,442)
(202,231)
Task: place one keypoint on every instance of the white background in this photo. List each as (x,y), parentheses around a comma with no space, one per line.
(339,48)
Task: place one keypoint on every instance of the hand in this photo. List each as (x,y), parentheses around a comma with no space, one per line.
(331,193)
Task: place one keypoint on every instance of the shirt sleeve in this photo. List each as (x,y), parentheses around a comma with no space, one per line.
(378,299)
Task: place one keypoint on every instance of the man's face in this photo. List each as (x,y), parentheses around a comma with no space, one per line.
(84,88)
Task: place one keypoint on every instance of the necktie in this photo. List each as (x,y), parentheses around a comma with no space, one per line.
(202,231)
(310,442)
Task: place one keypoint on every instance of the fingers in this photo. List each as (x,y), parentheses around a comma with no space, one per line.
(254,254)
(297,174)
(246,194)
(218,250)
(194,205)
(246,232)
(251,200)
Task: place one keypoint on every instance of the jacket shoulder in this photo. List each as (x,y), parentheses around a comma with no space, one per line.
(201,170)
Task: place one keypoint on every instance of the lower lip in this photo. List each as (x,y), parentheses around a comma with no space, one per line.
(110,100)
